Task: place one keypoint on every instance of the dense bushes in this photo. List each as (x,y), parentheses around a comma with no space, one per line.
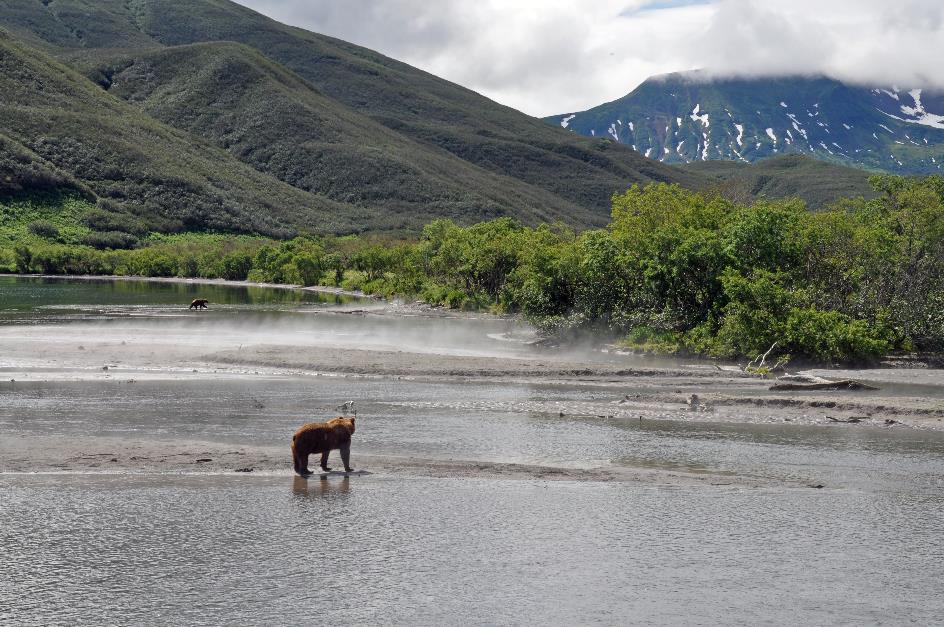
(682,271)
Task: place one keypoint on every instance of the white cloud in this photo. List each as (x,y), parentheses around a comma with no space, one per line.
(560,56)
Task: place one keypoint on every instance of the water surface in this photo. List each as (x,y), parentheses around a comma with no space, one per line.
(203,548)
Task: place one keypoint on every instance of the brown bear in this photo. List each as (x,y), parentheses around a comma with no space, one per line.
(199,303)
(322,437)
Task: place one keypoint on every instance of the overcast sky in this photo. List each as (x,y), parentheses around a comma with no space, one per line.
(559,56)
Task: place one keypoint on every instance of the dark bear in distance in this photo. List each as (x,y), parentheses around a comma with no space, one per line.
(322,437)
(199,303)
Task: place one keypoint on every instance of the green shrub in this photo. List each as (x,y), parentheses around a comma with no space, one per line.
(648,339)
(110,239)
(235,266)
(833,336)
(23,259)
(44,229)
(755,314)
(308,269)
(101,220)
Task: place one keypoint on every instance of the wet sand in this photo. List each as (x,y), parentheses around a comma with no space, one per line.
(96,455)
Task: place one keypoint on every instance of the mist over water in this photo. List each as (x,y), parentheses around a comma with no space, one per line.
(115,543)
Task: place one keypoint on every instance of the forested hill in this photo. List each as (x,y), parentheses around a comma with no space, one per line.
(689,116)
(221,118)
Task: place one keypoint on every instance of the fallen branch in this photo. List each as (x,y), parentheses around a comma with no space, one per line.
(845,384)
(763,358)
(850,420)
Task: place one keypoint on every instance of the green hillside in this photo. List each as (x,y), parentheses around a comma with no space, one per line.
(273,120)
(60,131)
(391,140)
(818,183)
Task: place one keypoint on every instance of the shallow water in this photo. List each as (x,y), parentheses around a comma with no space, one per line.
(37,300)
(371,550)
(482,421)
(384,548)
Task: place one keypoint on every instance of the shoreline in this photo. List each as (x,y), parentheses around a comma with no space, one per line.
(407,307)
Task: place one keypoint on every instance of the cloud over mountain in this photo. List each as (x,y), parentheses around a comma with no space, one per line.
(543,56)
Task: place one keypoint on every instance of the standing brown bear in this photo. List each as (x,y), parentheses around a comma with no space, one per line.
(322,437)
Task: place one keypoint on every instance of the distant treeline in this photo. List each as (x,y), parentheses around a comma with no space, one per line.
(675,271)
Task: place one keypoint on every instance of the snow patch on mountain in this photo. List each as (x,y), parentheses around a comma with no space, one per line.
(890,94)
(566,121)
(703,118)
(918,113)
(740,137)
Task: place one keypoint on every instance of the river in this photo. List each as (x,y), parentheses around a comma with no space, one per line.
(496,483)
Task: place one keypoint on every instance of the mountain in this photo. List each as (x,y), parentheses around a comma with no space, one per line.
(687,117)
(266,123)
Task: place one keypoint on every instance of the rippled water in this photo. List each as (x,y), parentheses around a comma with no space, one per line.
(369,550)
(382,548)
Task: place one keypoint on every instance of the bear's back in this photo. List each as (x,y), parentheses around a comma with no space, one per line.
(319,436)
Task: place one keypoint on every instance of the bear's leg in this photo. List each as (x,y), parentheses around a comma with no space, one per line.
(324,461)
(346,457)
(301,464)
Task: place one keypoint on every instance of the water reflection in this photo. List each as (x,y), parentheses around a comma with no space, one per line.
(42,299)
(319,486)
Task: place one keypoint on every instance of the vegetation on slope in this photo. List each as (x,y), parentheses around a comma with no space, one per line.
(675,271)
(273,120)
(817,183)
(61,131)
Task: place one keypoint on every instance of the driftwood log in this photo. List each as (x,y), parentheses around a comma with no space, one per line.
(845,384)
